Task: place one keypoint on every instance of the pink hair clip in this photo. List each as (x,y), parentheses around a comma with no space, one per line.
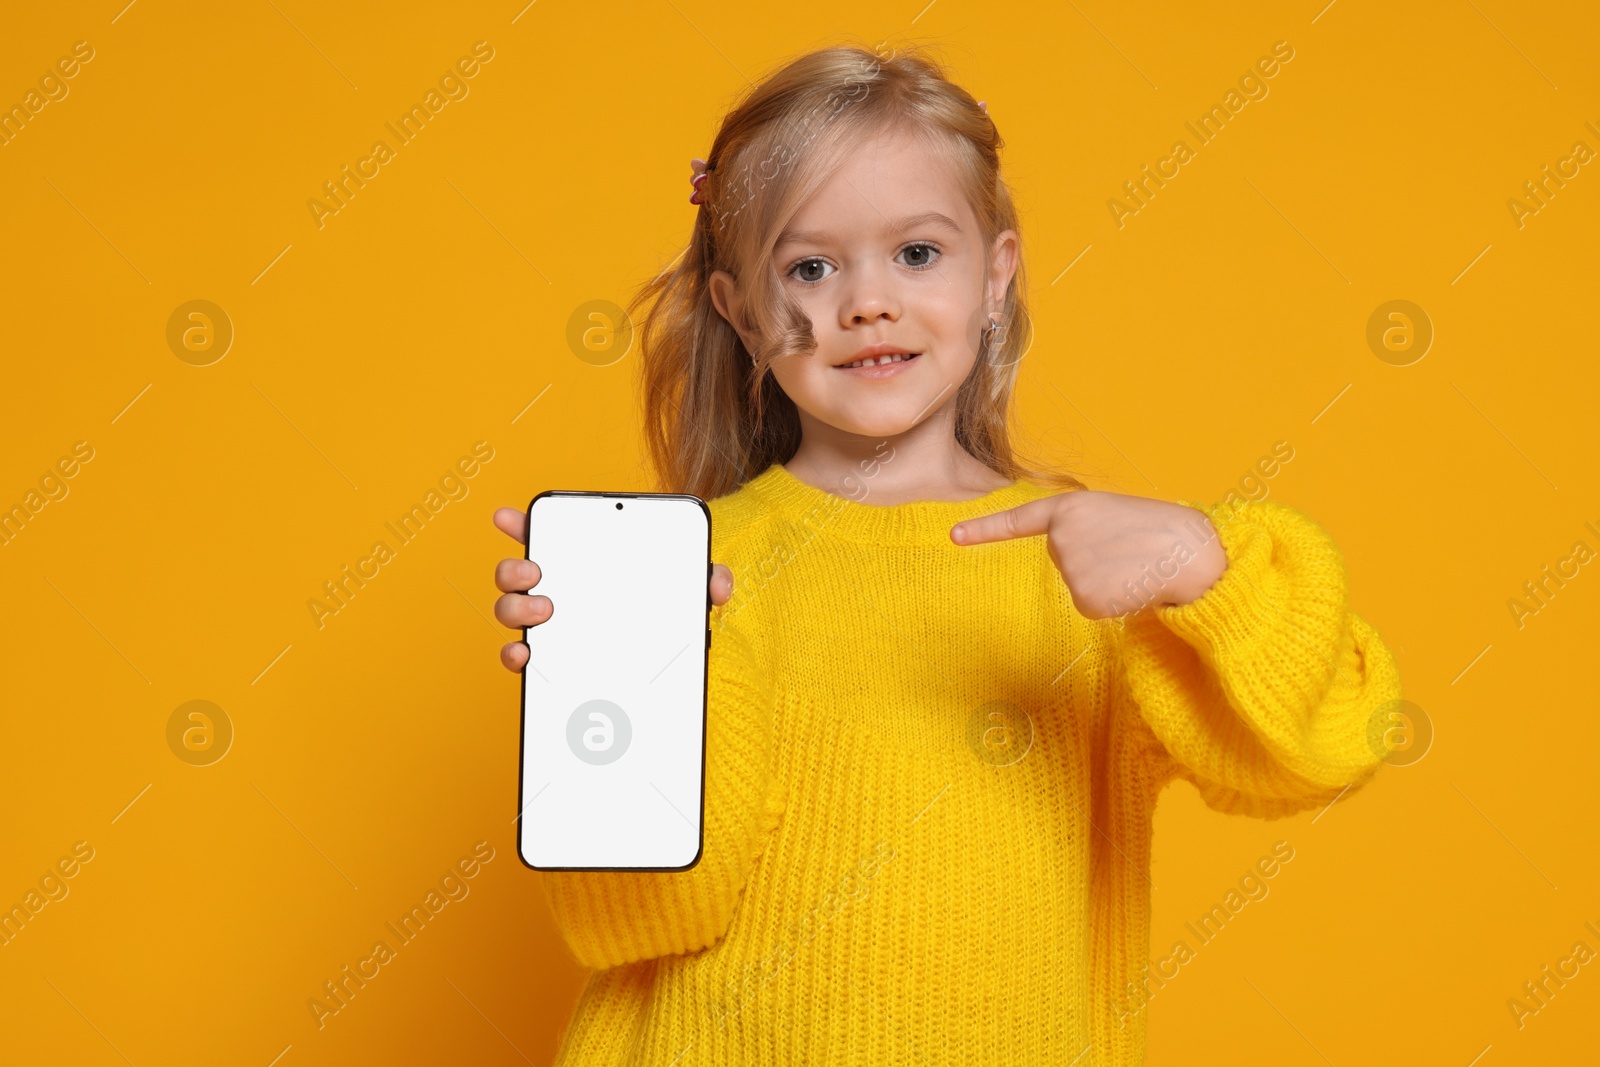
(701,169)
(983,106)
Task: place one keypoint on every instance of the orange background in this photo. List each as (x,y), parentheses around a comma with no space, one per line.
(369,755)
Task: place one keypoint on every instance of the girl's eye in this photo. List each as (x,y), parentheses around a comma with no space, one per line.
(926,249)
(801,271)
(805,271)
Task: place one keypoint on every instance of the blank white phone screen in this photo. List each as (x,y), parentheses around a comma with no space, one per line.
(613,696)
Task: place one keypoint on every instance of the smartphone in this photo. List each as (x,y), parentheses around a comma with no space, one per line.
(614,694)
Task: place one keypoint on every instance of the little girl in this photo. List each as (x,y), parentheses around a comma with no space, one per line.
(945,689)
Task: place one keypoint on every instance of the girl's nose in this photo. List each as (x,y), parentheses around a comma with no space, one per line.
(870,297)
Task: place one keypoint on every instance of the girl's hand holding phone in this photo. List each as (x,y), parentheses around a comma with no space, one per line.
(1108,546)
(514,577)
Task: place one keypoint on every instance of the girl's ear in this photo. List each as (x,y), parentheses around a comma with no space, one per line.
(729,302)
(1002,265)
(724,294)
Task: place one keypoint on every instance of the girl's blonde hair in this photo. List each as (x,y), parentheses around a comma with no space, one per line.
(713,416)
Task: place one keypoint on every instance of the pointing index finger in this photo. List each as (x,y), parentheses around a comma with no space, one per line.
(1024,520)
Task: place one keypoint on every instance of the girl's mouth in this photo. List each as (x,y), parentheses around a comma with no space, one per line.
(881,367)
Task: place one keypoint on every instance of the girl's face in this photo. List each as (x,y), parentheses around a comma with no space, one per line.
(886,254)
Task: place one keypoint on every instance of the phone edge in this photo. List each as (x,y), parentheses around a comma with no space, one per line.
(705,694)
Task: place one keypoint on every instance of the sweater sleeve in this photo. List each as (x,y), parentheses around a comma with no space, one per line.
(1260,692)
(610,918)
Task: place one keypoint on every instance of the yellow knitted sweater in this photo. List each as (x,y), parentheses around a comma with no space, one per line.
(930,783)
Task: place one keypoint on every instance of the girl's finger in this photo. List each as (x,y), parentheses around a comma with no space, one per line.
(513,523)
(721,584)
(518,610)
(514,656)
(1024,520)
(516,575)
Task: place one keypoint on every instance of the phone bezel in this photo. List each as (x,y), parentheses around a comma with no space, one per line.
(522,684)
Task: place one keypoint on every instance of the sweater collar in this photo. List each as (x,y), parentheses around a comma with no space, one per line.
(921,522)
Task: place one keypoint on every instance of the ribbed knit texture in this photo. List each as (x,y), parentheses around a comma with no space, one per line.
(930,786)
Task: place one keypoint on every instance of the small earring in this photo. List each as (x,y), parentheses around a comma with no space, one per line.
(997,333)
